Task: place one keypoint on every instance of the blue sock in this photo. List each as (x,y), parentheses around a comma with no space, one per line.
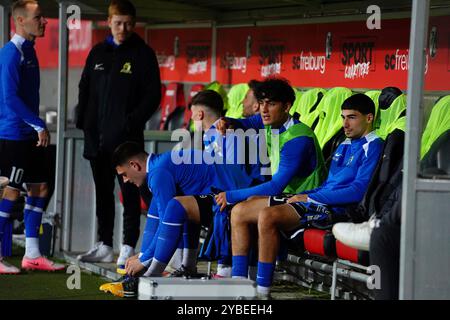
(151,225)
(265,274)
(240,266)
(170,231)
(33,216)
(6,207)
(180,244)
(191,234)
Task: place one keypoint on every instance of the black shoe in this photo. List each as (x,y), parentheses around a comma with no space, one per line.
(184,272)
(125,287)
(130,287)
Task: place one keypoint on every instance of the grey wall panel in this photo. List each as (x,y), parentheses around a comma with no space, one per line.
(432,247)
(83,229)
(49,90)
(83,220)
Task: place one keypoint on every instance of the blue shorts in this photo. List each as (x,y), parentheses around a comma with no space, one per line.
(308,212)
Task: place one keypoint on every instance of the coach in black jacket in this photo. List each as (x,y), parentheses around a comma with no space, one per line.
(119,90)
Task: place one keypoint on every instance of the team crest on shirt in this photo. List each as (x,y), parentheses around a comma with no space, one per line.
(336,156)
(126,68)
(349,160)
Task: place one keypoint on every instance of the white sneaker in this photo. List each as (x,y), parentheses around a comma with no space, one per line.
(224,271)
(355,235)
(125,252)
(6,268)
(99,253)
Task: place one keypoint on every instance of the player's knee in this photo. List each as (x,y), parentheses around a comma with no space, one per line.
(38,190)
(187,202)
(11,194)
(266,220)
(43,190)
(237,214)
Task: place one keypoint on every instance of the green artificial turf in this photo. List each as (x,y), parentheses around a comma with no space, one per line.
(39,285)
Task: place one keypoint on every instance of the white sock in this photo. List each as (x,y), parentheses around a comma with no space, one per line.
(224,270)
(190,258)
(263,290)
(32,248)
(238,277)
(177,259)
(156,268)
(252,272)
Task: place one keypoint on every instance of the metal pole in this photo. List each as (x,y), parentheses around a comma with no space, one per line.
(214,52)
(333,283)
(417,44)
(61,125)
(68,196)
(5,12)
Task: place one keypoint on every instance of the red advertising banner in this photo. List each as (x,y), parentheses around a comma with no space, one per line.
(80,42)
(184,55)
(329,55)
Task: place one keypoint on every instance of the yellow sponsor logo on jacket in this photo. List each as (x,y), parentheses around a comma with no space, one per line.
(126,68)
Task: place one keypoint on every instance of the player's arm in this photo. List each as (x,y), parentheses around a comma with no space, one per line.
(164,189)
(354,192)
(293,155)
(253,122)
(9,78)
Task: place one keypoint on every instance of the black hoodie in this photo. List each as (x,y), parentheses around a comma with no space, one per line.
(119,90)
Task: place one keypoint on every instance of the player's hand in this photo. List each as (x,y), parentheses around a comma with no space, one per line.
(222,125)
(130,259)
(221,200)
(44,138)
(134,267)
(298,198)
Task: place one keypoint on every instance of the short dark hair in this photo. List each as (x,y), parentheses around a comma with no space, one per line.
(254,84)
(126,151)
(359,102)
(19,6)
(387,96)
(121,8)
(210,99)
(275,89)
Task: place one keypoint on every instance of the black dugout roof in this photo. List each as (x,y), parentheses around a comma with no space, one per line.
(244,11)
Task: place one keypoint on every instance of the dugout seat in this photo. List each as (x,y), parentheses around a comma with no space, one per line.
(295,106)
(171,101)
(144,204)
(155,119)
(374,95)
(307,106)
(390,116)
(329,125)
(435,148)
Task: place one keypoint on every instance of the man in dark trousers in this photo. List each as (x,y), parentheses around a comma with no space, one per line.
(119,90)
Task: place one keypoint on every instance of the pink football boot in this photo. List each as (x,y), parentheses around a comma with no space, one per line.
(42,264)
